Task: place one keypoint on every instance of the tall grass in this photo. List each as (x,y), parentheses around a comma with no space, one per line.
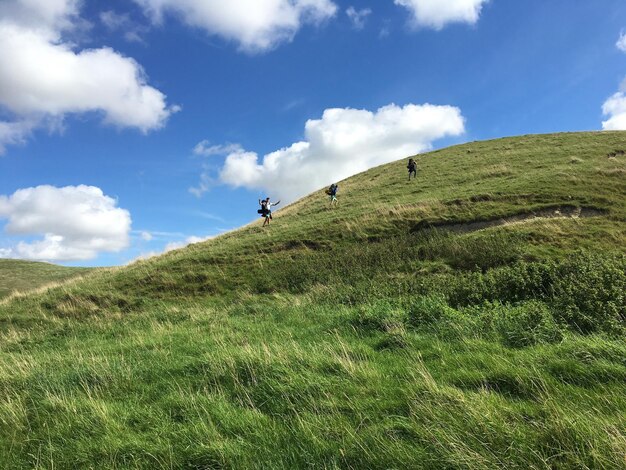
(360,337)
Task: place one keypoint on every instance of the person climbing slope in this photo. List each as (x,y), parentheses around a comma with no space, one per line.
(266,210)
(412,167)
(332,193)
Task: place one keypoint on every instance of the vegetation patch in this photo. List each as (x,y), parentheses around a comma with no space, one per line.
(343,338)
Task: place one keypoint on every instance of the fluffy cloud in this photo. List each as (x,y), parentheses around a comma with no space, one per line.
(256,25)
(358,17)
(621,42)
(45,16)
(169,247)
(436,13)
(13,133)
(76,223)
(188,241)
(340,144)
(615,108)
(43,76)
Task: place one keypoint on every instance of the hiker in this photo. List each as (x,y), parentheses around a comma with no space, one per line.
(332,193)
(266,210)
(412,167)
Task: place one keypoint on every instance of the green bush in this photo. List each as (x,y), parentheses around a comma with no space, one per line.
(585,291)
(429,310)
(526,324)
(432,314)
(518,282)
(379,316)
(590,293)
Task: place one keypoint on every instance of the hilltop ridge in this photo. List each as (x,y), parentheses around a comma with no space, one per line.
(23,276)
(475,183)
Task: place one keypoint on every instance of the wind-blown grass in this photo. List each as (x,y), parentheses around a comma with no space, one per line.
(394,331)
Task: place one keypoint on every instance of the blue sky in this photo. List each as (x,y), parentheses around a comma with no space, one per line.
(131,127)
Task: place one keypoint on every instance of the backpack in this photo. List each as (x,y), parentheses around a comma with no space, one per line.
(263,210)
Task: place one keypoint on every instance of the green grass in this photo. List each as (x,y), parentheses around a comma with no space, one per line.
(23,276)
(393,331)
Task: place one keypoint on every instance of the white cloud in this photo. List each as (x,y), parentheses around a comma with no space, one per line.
(256,25)
(437,13)
(340,144)
(188,241)
(116,22)
(45,16)
(621,42)
(169,247)
(205,184)
(146,236)
(205,149)
(113,20)
(38,77)
(75,223)
(43,76)
(615,109)
(13,133)
(359,17)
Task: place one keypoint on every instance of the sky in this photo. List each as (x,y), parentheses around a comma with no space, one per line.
(133,127)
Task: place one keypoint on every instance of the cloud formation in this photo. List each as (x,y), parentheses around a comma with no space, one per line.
(358,17)
(436,13)
(14,133)
(121,22)
(340,144)
(171,246)
(621,42)
(188,241)
(615,109)
(205,149)
(256,25)
(75,223)
(44,76)
(45,16)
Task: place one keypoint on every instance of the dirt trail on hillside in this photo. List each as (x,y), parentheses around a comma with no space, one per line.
(548,213)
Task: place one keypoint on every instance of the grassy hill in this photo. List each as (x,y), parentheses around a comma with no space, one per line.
(22,276)
(473,318)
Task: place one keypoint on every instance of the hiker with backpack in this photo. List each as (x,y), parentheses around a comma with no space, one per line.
(332,193)
(266,210)
(412,167)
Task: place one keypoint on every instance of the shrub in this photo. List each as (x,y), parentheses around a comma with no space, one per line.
(589,293)
(428,310)
(518,282)
(379,316)
(433,314)
(526,324)
(585,291)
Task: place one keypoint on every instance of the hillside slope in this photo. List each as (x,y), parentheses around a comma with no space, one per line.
(473,318)
(566,179)
(22,276)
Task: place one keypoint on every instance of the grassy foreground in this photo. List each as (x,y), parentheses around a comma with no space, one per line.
(474,318)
